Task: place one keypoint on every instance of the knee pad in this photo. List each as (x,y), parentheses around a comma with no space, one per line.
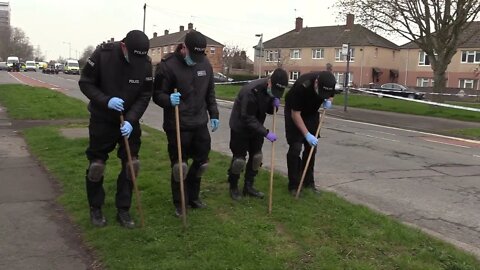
(95,171)
(176,171)
(136,167)
(238,164)
(257,161)
(202,169)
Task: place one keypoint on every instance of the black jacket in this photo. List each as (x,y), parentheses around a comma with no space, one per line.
(195,84)
(250,108)
(107,74)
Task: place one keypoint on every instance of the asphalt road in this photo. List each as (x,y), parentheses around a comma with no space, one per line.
(423,179)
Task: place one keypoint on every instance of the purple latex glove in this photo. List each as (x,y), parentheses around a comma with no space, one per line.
(276,103)
(271,136)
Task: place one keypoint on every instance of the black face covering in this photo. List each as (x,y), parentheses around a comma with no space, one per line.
(277,91)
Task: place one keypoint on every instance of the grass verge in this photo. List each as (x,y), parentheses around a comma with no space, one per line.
(315,232)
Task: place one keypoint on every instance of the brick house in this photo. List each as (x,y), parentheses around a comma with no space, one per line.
(463,71)
(305,49)
(162,45)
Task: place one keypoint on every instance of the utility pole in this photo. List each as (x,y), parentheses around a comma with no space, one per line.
(347,79)
(144,15)
(260,43)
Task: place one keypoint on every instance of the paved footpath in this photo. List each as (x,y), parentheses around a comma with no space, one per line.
(34,232)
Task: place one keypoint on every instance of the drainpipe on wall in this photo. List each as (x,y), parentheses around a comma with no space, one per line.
(361,66)
(406,66)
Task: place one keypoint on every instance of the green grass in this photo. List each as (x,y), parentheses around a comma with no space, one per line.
(26,102)
(315,232)
(470,133)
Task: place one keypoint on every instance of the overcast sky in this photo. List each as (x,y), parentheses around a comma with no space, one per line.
(58,25)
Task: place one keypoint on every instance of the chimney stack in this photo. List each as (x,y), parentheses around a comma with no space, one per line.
(350,21)
(190,26)
(112,39)
(182,28)
(166,32)
(298,24)
(154,34)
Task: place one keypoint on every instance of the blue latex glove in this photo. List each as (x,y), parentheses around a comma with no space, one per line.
(311,139)
(271,136)
(116,104)
(327,104)
(276,103)
(175,98)
(126,129)
(214,123)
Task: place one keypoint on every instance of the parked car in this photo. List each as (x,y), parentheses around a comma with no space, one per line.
(71,66)
(3,66)
(50,69)
(219,77)
(396,89)
(30,66)
(13,63)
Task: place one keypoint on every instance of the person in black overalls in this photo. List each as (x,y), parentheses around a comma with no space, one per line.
(250,108)
(117,79)
(302,103)
(189,72)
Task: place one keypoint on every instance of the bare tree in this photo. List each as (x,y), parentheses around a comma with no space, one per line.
(232,58)
(85,55)
(20,45)
(436,26)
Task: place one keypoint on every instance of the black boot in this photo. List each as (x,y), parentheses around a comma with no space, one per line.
(125,220)
(97,218)
(249,190)
(235,194)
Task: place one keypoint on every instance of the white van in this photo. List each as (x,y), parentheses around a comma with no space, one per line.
(13,63)
(71,67)
(30,65)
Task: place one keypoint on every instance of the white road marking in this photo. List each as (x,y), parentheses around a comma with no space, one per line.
(452,144)
(476,156)
(9,73)
(408,130)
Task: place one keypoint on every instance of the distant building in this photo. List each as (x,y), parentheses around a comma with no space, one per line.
(162,45)
(4,14)
(306,49)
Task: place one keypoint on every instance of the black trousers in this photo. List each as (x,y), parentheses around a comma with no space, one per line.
(196,144)
(240,145)
(104,137)
(296,158)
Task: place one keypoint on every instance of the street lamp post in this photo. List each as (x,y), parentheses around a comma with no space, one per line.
(69,49)
(260,56)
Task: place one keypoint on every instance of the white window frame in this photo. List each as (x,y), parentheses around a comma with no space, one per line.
(467,54)
(271,56)
(339,57)
(295,54)
(212,50)
(340,78)
(294,74)
(318,53)
(424,82)
(165,49)
(467,83)
(423,59)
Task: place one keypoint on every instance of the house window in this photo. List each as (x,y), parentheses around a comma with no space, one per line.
(424,82)
(470,56)
(467,83)
(165,49)
(317,54)
(295,54)
(212,50)
(423,59)
(339,57)
(152,52)
(172,48)
(272,56)
(340,77)
(268,73)
(294,75)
